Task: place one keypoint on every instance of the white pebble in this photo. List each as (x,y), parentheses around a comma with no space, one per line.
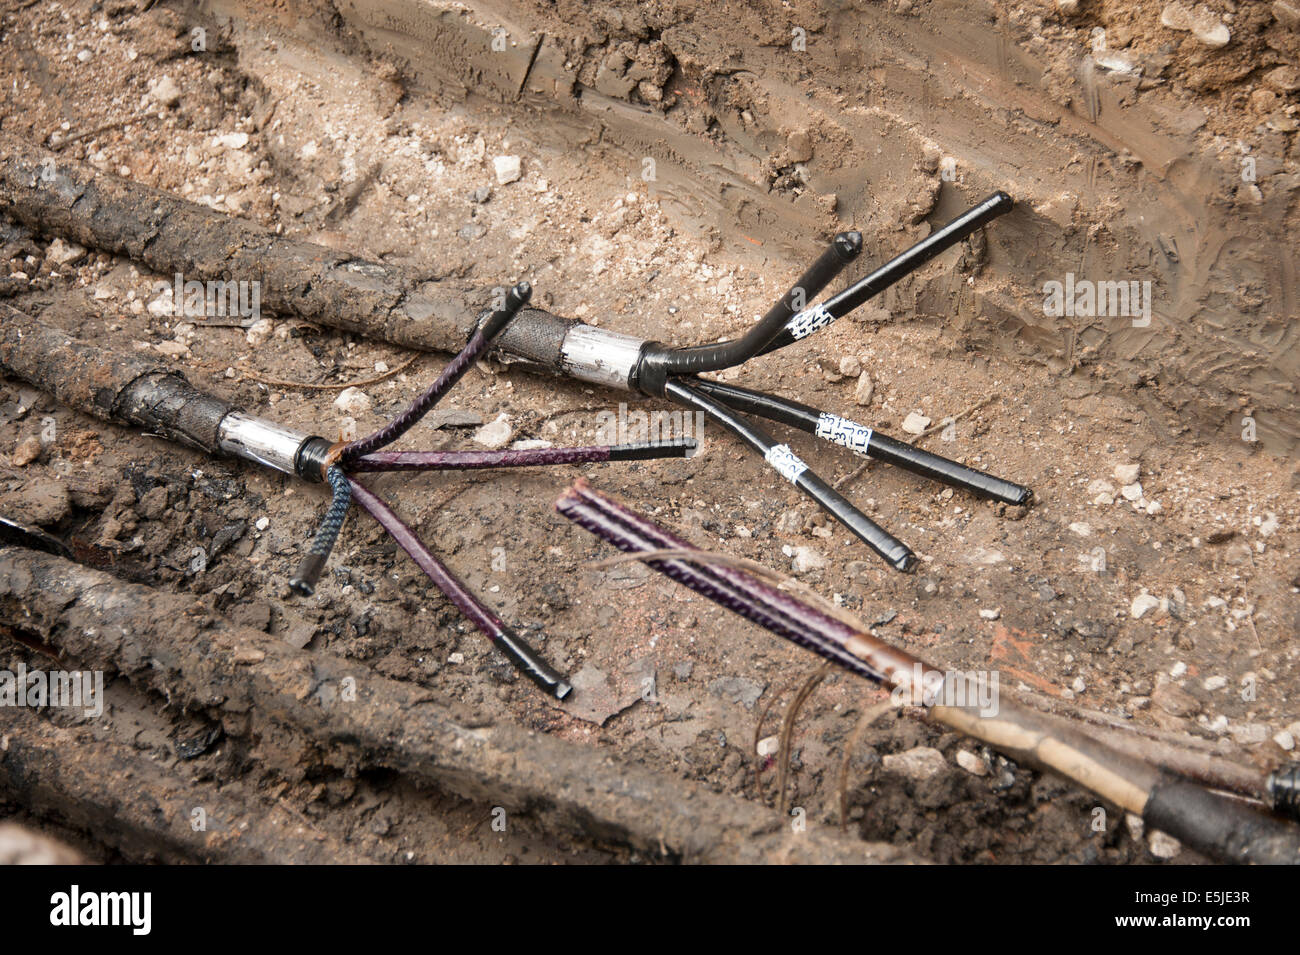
(971,763)
(915,423)
(1163,846)
(259,331)
(1082,529)
(918,764)
(353,402)
(496,434)
(262,523)
(1127,473)
(508,169)
(991,614)
(806,560)
(1143,604)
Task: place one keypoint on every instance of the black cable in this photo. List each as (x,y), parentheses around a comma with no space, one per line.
(837,306)
(788,465)
(864,441)
(659,362)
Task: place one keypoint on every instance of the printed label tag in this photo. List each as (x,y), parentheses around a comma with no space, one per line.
(842,431)
(785,462)
(808,321)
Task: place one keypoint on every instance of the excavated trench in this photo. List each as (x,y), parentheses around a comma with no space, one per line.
(661,140)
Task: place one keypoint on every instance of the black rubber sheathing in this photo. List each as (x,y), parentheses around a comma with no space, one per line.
(1220,827)
(169,405)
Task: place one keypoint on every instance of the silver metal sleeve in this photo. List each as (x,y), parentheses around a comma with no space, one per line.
(599,356)
(260,440)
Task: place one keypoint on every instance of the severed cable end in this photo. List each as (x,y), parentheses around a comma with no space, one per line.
(848,245)
(307,575)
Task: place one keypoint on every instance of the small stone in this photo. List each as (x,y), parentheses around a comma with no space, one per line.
(1081,529)
(508,169)
(1211,31)
(1284,79)
(232,140)
(972,763)
(171,349)
(1131,492)
(806,560)
(1127,473)
(65,253)
(471,231)
(28,450)
(850,367)
(496,434)
(1263,102)
(1068,7)
(1249,734)
(1287,13)
(1163,846)
(915,423)
(456,658)
(798,146)
(1134,824)
(768,745)
(165,92)
(991,613)
(1100,487)
(1215,683)
(247,656)
(1239,555)
(1078,686)
(1142,605)
(737,689)
(259,331)
(347,428)
(864,390)
(353,402)
(1285,739)
(480,195)
(917,764)
(262,523)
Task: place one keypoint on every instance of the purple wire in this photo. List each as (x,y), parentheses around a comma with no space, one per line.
(585,515)
(505,639)
(404,422)
(540,457)
(473,460)
(884,659)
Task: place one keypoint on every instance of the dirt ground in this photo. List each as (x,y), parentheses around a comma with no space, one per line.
(335,143)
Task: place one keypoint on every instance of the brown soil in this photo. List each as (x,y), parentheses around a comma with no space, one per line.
(372,127)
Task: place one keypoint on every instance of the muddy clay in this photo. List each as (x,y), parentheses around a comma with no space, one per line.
(351,128)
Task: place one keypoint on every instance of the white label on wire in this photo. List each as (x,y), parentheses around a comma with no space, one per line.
(808,321)
(785,462)
(842,431)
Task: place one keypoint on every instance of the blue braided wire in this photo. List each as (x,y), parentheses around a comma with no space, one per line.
(332,523)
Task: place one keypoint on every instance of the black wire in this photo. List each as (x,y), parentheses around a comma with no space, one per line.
(839,305)
(779,456)
(697,358)
(865,441)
